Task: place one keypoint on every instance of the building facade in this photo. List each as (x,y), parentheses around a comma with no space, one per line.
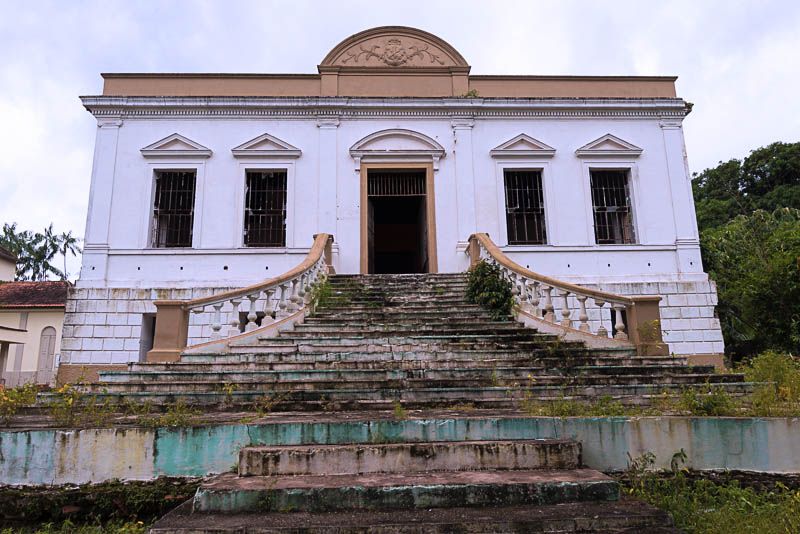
(215,181)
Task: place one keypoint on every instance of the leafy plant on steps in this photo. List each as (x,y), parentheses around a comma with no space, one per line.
(487,287)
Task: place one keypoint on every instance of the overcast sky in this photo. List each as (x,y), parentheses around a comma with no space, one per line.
(736,61)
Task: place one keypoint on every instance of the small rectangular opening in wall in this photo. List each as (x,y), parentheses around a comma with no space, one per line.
(613,331)
(243,319)
(148,335)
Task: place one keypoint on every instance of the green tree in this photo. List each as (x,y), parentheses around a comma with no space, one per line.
(36,252)
(767,179)
(755,260)
(68,244)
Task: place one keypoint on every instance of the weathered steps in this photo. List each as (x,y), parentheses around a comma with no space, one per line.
(435,356)
(624,516)
(281,399)
(312,493)
(540,373)
(409,457)
(178,384)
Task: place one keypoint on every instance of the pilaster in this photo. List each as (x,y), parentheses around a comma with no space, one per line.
(686,233)
(98,220)
(327,175)
(464,178)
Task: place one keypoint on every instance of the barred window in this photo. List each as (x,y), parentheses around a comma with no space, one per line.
(611,202)
(525,207)
(173,208)
(265,209)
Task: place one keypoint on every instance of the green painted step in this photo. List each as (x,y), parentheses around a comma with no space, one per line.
(409,457)
(231,494)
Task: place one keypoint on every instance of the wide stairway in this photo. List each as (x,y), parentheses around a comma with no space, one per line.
(380,342)
(415,408)
(464,486)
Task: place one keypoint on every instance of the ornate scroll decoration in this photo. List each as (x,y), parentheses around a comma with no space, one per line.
(393,53)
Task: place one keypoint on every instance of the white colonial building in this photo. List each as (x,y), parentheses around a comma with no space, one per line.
(208,181)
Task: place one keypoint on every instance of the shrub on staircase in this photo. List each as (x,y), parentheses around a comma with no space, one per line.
(487,287)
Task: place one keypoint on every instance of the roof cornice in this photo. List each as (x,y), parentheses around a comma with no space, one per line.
(349,107)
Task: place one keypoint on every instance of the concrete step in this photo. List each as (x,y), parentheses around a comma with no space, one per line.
(231,368)
(399,327)
(170,383)
(392,358)
(605,517)
(231,494)
(345,375)
(409,458)
(406,338)
(386,399)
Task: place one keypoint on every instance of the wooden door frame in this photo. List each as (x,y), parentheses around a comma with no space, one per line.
(430,210)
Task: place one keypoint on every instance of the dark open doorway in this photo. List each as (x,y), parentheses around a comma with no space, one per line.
(397,221)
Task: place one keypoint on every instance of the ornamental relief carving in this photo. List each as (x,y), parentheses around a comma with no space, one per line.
(394,52)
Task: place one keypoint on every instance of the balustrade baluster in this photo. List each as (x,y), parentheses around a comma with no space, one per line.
(301,291)
(536,297)
(291,304)
(216,322)
(566,322)
(282,303)
(252,316)
(601,330)
(548,304)
(583,317)
(619,326)
(268,308)
(512,277)
(234,330)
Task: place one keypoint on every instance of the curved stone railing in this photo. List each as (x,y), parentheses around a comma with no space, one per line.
(635,319)
(284,295)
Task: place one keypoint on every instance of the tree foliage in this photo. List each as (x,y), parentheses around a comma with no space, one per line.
(754,260)
(748,213)
(767,179)
(36,251)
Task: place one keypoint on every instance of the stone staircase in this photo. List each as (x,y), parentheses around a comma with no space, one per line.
(379,340)
(464,486)
(376,347)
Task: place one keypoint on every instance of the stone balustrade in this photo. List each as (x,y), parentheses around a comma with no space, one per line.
(279,298)
(634,319)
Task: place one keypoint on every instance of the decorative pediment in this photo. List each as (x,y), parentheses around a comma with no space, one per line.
(176,146)
(609,145)
(397,144)
(266,146)
(393,47)
(523,146)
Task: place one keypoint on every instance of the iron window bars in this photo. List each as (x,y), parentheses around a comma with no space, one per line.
(173,208)
(396,184)
(611,203)
(265,209)
(525,221)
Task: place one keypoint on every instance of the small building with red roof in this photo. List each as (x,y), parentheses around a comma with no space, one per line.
(31,323)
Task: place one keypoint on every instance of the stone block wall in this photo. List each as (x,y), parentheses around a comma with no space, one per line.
(688,319)
(104,326)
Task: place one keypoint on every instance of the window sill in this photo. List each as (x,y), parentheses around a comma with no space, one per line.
(585,248)
(207,251)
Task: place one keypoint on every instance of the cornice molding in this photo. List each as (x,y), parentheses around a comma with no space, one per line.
(266,146)
(523,146)
(608,145)
(328,110)
(176,146)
